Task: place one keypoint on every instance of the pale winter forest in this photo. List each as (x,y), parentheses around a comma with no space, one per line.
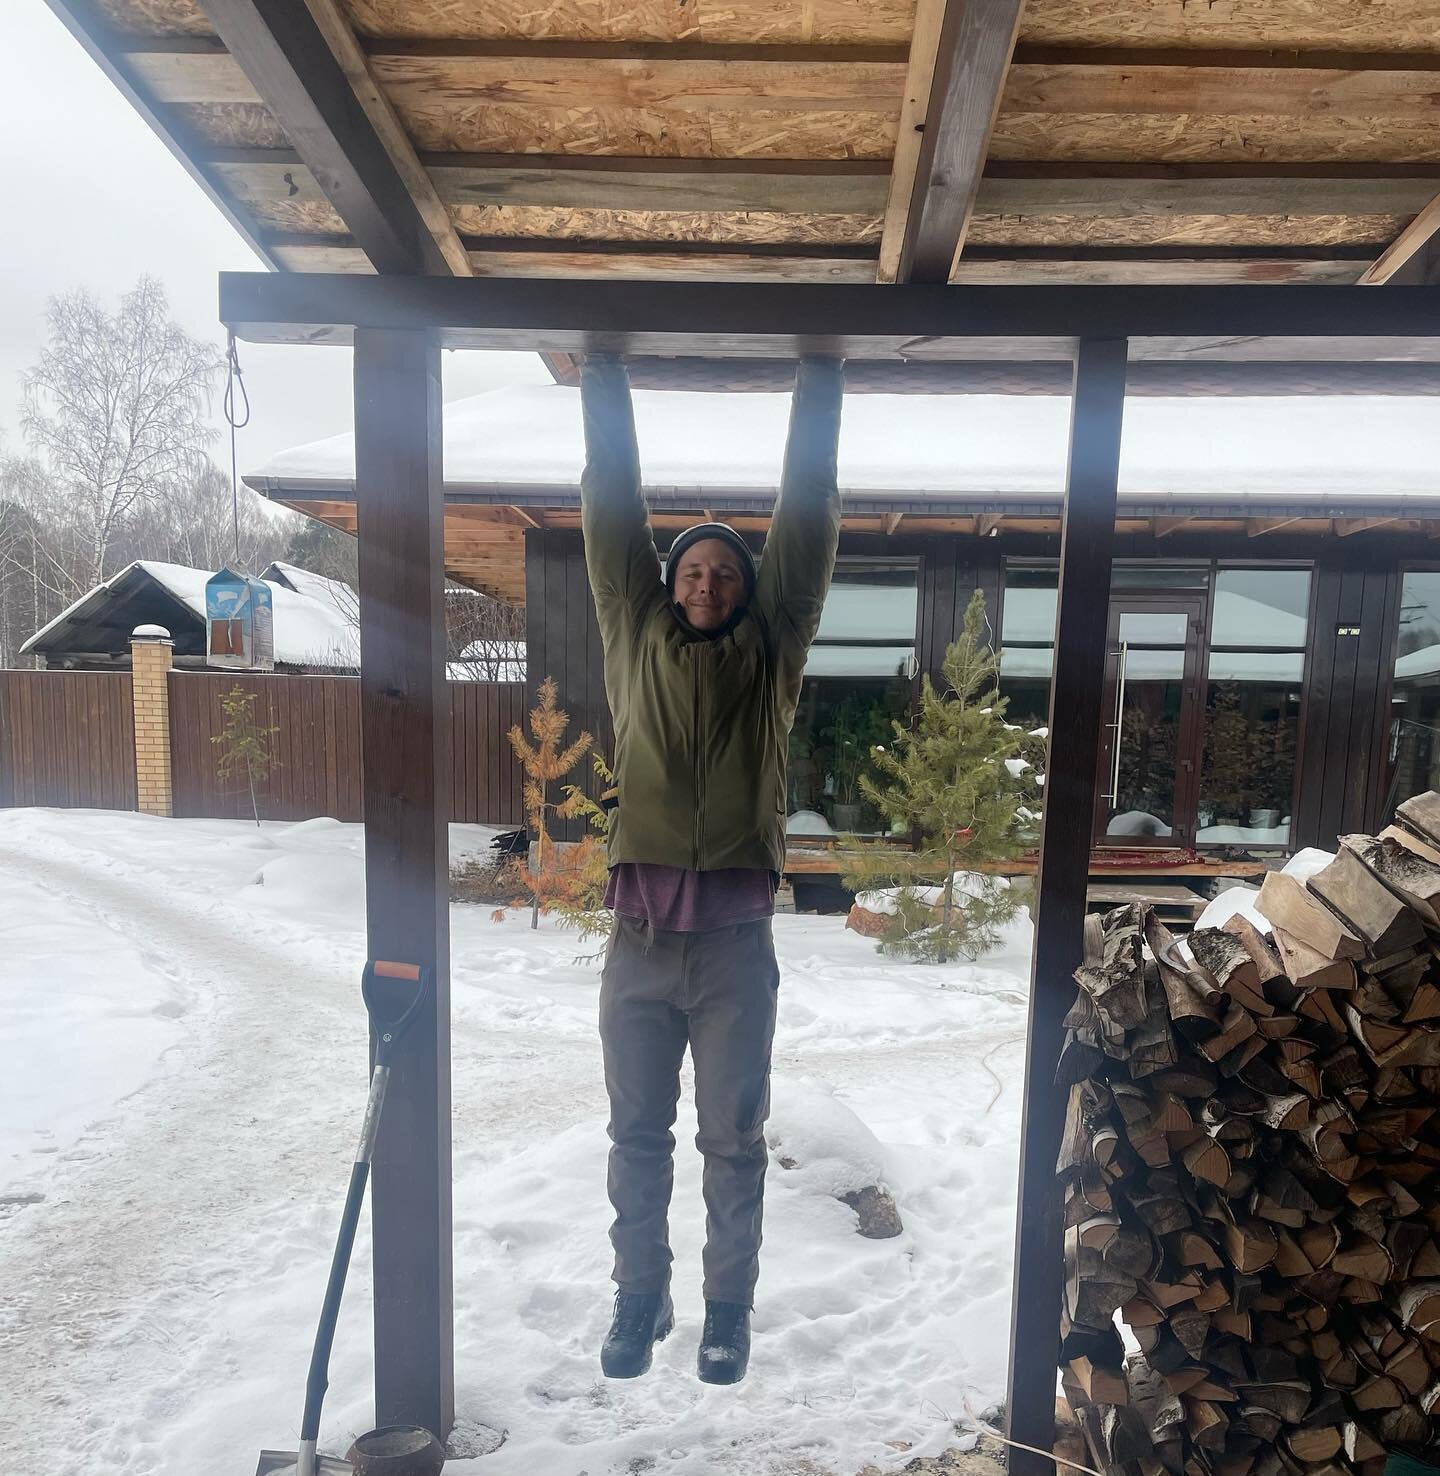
(118,462)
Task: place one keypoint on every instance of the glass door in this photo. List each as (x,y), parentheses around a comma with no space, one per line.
(1150,737)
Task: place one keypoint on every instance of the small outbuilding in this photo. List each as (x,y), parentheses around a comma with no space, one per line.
(315,623)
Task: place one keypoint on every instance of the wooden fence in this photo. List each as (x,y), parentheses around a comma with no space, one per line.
(67,738)
(316,747)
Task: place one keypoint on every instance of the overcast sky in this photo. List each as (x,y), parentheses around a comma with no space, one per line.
(78,214)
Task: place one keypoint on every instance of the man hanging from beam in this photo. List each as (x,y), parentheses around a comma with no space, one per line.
(703,666)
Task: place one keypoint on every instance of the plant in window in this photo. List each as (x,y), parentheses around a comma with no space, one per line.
(960,775)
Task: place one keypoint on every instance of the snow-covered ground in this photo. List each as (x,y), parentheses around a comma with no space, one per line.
(185,1068)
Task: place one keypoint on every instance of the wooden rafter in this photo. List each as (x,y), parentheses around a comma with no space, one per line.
(1413,257)
(1164,527)
(1259,527)
(972,56)
(919,78)
(348,52)
(287,58)
(1347,527)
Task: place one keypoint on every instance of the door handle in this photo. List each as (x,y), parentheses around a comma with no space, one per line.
(1114,795)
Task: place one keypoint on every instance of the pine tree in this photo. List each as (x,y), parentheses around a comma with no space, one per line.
(959,776)
(244,743)
(548,872)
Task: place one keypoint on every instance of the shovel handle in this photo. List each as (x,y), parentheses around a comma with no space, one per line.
(390,1031)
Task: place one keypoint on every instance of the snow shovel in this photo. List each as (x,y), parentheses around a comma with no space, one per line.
(305,1462)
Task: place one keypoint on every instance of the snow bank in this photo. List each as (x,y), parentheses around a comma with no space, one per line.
(831,1150)
(1231,901)
(183,1240)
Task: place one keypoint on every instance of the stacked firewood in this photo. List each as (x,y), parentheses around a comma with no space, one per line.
(1251,1175)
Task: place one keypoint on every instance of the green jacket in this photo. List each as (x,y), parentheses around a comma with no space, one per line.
(702,723)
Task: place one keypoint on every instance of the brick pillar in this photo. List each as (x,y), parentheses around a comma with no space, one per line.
(150,648)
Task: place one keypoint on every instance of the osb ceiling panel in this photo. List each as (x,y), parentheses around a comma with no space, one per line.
(232,125)
(528,222)
(1303,25)
(854,22)
(156,17)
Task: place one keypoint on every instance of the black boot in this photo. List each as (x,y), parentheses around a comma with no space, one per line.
(725,1343)
(641,1320)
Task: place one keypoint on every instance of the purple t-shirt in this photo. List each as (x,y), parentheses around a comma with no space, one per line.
(675,900)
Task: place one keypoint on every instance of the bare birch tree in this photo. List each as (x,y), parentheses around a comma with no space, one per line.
(117,409)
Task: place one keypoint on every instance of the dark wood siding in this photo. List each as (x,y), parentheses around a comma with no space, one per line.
(951,570)
(317,748)
(563,641)
(1342,759)
(67,738)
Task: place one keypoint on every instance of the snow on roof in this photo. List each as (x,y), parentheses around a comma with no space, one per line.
(317,586)
(1317,446)
(308,631)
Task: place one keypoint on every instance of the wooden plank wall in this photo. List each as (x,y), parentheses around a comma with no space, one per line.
(1345,723)
(67,738)
(318,748)
(951,570)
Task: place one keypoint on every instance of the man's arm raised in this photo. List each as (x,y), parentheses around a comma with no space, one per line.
(619,546)
(799,555)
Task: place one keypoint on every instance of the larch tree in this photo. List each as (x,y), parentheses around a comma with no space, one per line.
(548,872)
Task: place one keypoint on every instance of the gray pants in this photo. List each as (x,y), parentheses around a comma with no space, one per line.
(717,991)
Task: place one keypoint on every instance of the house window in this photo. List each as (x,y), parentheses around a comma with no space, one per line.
(1415,702)
(858,678)
(1258,629)
(1027,643)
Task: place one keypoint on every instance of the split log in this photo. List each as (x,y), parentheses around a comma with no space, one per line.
(1285,904)
(1365,905)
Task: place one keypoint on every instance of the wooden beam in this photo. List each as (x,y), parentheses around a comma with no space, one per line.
(907,324)
(1110,197)
(1258,527)
(892,523)
(987,525)
(287,60)
(568,75)
(1347,527)
(405,765)
(909,136)
(607,182)
(1413,257)
(1100,86)
(336,29)
(972,56)
(1164,527)
(1081,628)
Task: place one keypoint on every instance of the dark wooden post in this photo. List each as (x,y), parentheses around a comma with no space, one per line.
(404,739)
(1081,624)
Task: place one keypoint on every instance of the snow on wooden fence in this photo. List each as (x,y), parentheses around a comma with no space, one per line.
(67,738)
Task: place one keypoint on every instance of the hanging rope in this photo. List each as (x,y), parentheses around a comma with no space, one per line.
(235,380)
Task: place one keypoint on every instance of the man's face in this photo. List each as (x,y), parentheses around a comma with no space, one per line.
(709,584)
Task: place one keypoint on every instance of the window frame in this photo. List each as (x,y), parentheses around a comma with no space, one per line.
(1212,565)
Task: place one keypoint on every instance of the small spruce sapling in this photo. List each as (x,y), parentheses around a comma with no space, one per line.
(959,777)
(548,873)
(244,744)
